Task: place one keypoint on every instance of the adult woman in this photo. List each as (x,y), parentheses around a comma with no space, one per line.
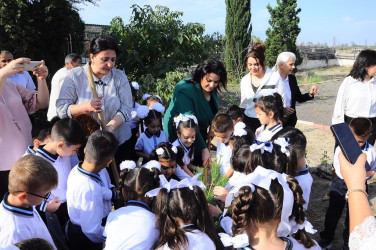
(288,87)
(115,97)
(258,82)
(356,95)
(16,102)
(197,96)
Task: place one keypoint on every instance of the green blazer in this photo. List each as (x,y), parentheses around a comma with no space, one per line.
(188,98)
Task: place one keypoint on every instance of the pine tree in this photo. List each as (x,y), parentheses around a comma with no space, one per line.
(284,31)
(238,32)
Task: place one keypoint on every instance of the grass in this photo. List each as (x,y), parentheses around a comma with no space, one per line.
(310,77)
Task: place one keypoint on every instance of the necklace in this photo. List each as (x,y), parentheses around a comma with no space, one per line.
(10,114)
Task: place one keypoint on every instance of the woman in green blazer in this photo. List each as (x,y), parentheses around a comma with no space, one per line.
(197,96)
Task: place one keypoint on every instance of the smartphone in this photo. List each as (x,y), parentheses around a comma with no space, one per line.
(32,66)
(347,142)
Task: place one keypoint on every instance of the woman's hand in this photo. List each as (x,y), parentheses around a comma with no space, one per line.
(14,67)
(354,175)
(314,90)
(288,111)
(95,105)
(42,71)
(220,193)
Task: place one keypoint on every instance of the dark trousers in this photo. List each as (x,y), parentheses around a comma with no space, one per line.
(77,240)
(251,123)
(56,223)
(3,183)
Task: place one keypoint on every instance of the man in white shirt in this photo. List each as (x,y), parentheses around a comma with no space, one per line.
(23,79)
(71,61)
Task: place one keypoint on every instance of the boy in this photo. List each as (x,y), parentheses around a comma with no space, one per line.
(85,193)
(67,136)
(41,134)
(30,182)
(223,128)
(361,128)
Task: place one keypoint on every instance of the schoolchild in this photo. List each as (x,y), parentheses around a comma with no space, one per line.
(169,157)
(31,180)
(236,114)
(361,128)
(269,111)
(40,137)
(153,134)
(134,123)
(85,193)
(223,128)
(149,100)
(186,126)
(141,232)
(183,217)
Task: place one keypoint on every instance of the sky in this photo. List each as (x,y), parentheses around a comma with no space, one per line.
(321,21)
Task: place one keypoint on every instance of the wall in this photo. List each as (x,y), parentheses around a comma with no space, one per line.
(313,64)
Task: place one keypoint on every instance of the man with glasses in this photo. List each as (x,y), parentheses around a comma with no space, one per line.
(23,79)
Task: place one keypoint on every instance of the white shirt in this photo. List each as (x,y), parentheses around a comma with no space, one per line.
(134,116)
(284,90)
(305,182)
(17,224)
(131,227)
(147,142)
(197,240)
(298,246)
(85,203)
(263,134)
(57,81)
(24,80)
(106,191)
(224,154)
(186,159)
(268,86)
(363,236)
(355,99)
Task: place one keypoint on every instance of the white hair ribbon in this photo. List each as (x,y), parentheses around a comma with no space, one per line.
(234,192)
(163,184)
(135,85)
(184,117)
(238,241)
(190,182)
(152,164)
(127,165)
(305,225)
(174,149)
(239,129)
(159,151)
(262,146)
(158,107)
(160,99)
(146,96)
(142,111)
(284,143)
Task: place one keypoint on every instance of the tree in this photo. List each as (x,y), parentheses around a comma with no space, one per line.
(284,31)
(238,32)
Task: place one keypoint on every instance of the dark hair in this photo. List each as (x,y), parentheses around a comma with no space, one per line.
(41,130)
(272,103)
(69,131)
(222,123)
(101,43)
(168,154)
(239,141)
(257,52)
(240,158)
(190,123)
(34,244)
(146,102)
(234,111)
(152,115)
(72,57)
(135,183)
(296,137)
(100,147)
(365,59)
(89,125)
(185,204)
(361,126)
(134,92)
(251,209)
(208,66)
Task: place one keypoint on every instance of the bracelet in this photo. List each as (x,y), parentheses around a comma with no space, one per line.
(355,190)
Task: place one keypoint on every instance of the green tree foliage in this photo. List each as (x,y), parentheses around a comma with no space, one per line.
(284,31)
(238,32)
(41,30)
(157,41)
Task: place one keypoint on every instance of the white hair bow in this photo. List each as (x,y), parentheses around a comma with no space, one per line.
(158,107)
(127,165)
(239,129)
(163,184)
(184,117)
(142,111)
(190,182)
(238,241)
(284,143)
(174,149)
(234,192)
(135,85)
(159,151)
(152,164)
(262,146)
(146,96)
(305,225)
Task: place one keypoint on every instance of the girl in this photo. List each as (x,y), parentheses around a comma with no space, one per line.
(269,111)
(183,218)
(168,156)
(186,126)
(153,135)
(149,100)
(134,123)
(142,232)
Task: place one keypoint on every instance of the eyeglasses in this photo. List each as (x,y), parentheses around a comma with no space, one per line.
(45,197)
(6,60)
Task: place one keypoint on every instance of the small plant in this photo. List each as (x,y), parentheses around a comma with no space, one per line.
(324,158)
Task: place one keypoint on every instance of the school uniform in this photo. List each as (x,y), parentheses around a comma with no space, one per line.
(17,224)
(224,154)
(85,208)
(108,190)
(147,142)
(263,134)
(305,181)
(30,150)
(295,245)
(131,227)
(234,179)
(179,172)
